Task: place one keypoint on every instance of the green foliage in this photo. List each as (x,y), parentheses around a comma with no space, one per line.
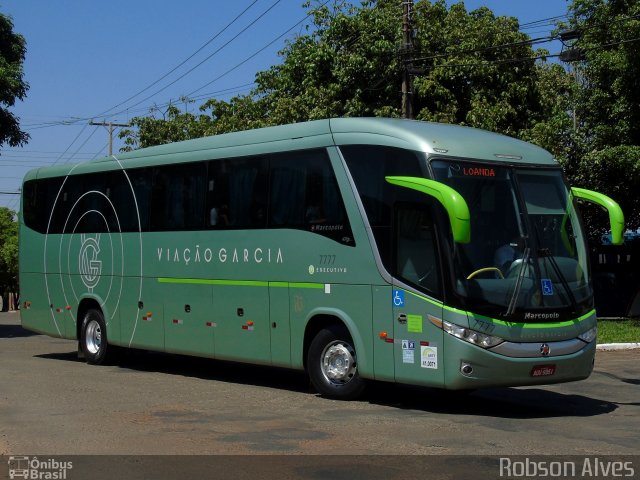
(619,331)
(12,84)
(610,75)
(606,153)
(216,117)
(350,64)
(469,83)
(555,131)
(8,251)
(614,171)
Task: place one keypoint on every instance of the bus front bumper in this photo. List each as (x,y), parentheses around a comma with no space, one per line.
(468,366)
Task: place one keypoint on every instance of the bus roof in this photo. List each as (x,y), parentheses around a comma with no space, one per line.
(427,137)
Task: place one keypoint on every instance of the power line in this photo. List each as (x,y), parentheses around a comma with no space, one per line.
(235,89)
(258,51)
(72,142)
(185,60)
(12,151)
(532,41)
(77,120)
(203,61)
(524,59)
(189,95)
(70,120)
(22,165)
(542,21)
(493,62)
(83,144)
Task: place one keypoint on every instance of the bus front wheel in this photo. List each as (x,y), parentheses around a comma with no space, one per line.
(93,337)
(332,364)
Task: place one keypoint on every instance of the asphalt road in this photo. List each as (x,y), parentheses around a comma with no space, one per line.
(52,403)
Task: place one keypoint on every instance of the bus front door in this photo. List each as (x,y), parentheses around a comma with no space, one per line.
(417,340)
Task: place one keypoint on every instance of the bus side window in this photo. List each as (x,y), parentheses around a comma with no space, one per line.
(177,198)
(288,185)
(42,204)
(237,193)
(305,196)
(32,193)
(132,212)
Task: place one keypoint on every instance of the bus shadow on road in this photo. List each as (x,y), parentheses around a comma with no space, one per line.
(15,331)
(202,368)
(513,403)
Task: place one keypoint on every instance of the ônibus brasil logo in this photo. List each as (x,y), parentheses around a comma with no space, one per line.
(33,468)
(88,263)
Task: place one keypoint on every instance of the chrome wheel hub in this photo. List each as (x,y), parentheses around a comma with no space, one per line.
(93,337)
(338,363)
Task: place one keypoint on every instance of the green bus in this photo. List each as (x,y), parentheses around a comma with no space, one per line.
(354,248)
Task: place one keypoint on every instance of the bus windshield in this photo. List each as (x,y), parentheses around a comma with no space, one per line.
(527,257)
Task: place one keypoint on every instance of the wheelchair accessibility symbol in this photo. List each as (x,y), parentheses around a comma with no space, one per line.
(547,286)
(398,298)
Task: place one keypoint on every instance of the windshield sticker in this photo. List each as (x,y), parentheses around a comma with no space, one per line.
(429,357)
(414,323)
(408,351)
(547,286)
(478,172)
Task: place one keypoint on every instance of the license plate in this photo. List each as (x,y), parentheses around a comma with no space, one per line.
(543,370)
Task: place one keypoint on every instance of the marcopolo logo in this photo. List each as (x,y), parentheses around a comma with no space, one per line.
(542,316)
(37,469)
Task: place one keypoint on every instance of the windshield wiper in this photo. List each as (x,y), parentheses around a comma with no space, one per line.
(518,286)
(546,253)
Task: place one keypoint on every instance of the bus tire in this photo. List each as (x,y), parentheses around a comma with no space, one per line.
(332,364)
(93,338)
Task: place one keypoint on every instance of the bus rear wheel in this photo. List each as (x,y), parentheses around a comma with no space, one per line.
(332,364)
(93,338)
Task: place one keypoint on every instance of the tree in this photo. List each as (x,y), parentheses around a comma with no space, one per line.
(610,72)
(481,70)
(12,84)
(172,126)
(350,64)
(614,171)
(217,116)
(8,253)
(607,154)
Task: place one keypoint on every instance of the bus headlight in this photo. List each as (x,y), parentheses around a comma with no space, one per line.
(590,335)
(476,338)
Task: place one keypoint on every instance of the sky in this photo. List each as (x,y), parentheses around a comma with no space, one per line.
(111,61)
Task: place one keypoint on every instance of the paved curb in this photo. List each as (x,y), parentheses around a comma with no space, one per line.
(610,347)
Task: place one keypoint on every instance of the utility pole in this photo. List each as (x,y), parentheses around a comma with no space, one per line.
(407,58)
(110,126)
(571,55)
